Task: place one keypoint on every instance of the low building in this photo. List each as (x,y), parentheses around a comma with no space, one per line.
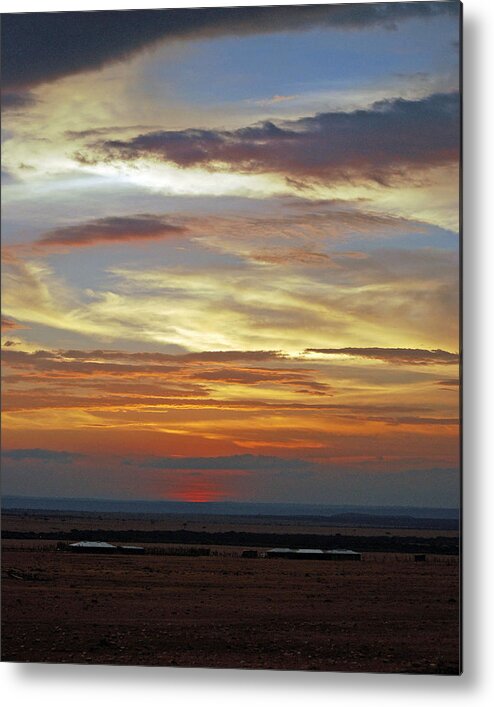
(295,554)
(93,547)
(102,548)
(313,554)
(131,549)
(342,555)
(250,553)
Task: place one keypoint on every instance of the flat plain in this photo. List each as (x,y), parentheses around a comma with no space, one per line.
(386,613)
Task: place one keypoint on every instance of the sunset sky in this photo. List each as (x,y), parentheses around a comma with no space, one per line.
(231,254)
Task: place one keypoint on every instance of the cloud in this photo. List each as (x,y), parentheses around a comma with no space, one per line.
(172,385)
(292,255)
(112,229)
(241,236)
(41,47)
(375,144)
(263,376)
(241,462)
(448,384)
(410,420)
(17,100)
(51,363)
(117,357)
(99,132)
(123,404)
(221,404)
(104,379)
(417,357)
(41,455)
(261,307)
(8,323)
(297,237)
(273,100)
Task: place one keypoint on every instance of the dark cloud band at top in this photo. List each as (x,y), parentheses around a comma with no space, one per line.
(41,47)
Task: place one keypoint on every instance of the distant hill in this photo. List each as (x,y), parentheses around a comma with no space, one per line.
(360,516)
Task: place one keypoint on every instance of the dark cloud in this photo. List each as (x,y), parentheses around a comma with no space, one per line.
(240,462)
(99,132)
(112,229)
(267,376)
(416,487)
(220,356)
(49,364)
(147,356)
(17,100)
(156,357)
(415,420)
(25,356)
(375,144)
(41,455)
(451,384)
(52,363)
(41,47)
(107,477)
(419,357)
(249,376)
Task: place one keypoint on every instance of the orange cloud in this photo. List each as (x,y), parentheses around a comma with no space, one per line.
(114,229)
(8,323)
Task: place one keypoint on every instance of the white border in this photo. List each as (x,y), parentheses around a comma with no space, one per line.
(81,686)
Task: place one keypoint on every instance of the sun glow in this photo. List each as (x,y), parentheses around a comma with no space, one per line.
(198,486)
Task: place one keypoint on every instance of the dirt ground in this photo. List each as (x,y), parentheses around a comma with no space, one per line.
(384,614)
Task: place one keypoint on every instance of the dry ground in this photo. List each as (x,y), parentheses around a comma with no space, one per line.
(384,614)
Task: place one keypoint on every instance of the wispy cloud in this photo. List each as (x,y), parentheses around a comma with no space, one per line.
(236,308)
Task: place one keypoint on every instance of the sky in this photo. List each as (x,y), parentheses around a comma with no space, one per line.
(230,250)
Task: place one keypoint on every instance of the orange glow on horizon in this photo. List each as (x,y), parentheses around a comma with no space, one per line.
(200,486)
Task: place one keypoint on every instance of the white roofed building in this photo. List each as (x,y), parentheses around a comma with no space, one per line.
(313,554)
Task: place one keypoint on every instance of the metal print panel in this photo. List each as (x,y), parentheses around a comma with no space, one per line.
(231,337)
